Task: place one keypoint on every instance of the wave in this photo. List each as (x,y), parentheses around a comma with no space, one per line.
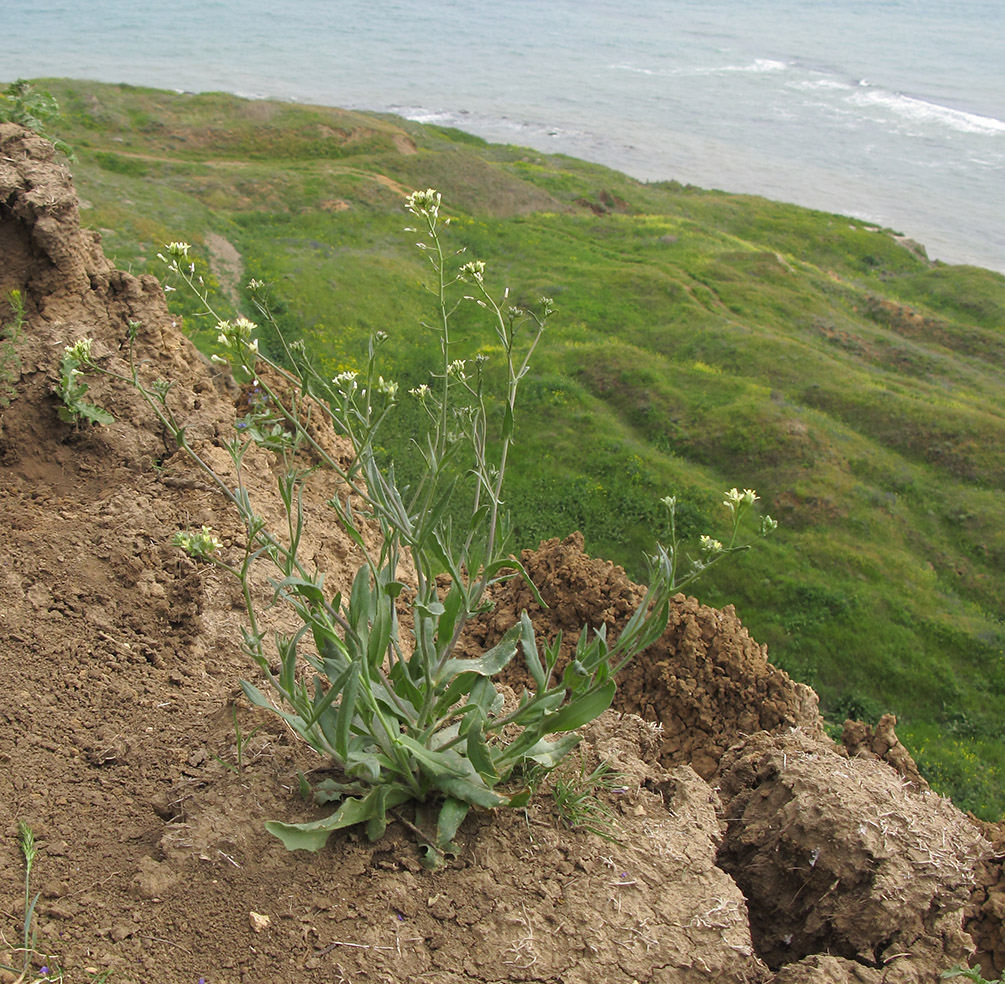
(921,111)
(757,66)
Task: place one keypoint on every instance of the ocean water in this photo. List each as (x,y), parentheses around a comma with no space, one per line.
(892,111)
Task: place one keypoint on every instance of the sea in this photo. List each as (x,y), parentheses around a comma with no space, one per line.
(891,111)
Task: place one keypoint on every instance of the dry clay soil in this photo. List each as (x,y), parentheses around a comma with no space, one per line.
(749,847)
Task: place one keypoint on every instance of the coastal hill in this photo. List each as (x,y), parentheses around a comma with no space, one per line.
(749,847)
(703,341)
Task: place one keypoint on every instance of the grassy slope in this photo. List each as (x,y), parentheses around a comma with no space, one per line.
(705,340)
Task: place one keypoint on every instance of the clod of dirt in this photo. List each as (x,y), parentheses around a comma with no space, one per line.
(706,682)
(840,856)
(986,913)
(860,740)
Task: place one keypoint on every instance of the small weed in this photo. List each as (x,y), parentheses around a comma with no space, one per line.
(10,362)
(26,842)
(578,804)
(71,388)
(970,974)
(34,109)
(240,740)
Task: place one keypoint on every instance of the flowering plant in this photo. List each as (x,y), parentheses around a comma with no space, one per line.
(391,701)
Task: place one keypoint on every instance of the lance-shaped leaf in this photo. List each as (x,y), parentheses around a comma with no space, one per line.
(313,836)
(488,665)
(581,711)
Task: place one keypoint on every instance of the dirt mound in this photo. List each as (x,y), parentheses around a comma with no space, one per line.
(118,742)
(706,682)
(839,856)
(986,913)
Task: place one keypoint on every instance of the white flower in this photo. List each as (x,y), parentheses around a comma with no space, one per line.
(734,497)
(424,202)
(80,350)
(456,368)
(670,501)
(237,334)
(200,544)
(178,249)
(475,269)
(420,391)
(387,387)
(710,546)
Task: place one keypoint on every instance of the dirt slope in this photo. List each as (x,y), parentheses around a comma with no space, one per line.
(121,661)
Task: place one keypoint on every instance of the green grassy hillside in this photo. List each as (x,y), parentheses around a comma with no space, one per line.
(704,340)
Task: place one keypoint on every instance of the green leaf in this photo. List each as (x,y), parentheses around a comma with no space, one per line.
(459,686)
(323,700)
(313,836)
(380,633)
(433,610)
(453,774)
(550,753)
(347,711)
(359,604)
(403,686)
(297,585)
(582,710)
(452,815)
(531,656)
(431,523)
(508,423)
(470,790)
(451,608)
(488,665)
(478,755)
(362,761)
(260,700)
(375,827)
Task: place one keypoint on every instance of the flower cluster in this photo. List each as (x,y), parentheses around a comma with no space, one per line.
(475,269)
(80,350)
(426,203)
(736,500)
(237,338)
(201,544)
(710,546)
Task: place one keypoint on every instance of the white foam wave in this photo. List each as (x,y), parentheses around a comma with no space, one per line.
(818,84)
(759,65)
(920,111)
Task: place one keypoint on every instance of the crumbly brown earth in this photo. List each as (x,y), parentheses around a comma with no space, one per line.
(749,849)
